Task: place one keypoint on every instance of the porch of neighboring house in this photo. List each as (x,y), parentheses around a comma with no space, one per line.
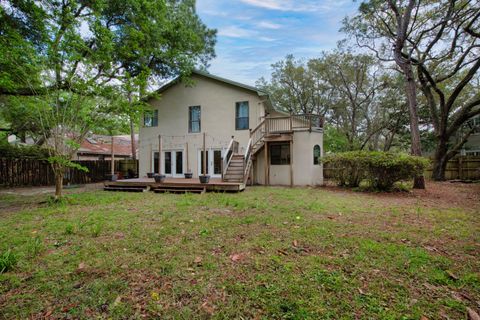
(236,164)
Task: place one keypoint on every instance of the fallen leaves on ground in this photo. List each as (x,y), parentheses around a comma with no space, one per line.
(472,314)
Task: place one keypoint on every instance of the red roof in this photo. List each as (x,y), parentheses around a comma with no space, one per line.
(97,144)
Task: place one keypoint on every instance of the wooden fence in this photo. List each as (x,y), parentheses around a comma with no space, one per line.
(32,172)
(460,167)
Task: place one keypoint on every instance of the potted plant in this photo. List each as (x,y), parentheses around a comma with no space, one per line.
(188,174)
(159,178)
(204,178)
(112,177)
(150,174)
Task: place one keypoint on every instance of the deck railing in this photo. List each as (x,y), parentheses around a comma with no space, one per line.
(247,160)
(227,156)
(257,134)
(284,124)
(292,122)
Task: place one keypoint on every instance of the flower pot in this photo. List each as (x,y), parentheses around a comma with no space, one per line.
(188,175)
(204,179)
(150,174)
(159,178)
(112,177)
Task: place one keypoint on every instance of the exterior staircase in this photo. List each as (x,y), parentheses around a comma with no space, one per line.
(236,167)
(235,170)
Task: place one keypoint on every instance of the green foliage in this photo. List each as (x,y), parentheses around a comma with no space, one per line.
(64,162)
(380,169)
(63,65)
(34,246)
(334,140)
(350,254)
(23,152)
(69,229)
(96,229)
(358,96)
(7,261)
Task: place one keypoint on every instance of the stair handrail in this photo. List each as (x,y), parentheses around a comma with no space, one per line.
(227,156)
(247,157)
(253,133)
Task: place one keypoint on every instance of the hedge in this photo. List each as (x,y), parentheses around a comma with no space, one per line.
(380,169)
(22,152)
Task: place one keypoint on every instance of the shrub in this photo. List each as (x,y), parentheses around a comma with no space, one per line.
(347,170)
(380,169)
(22,152)
(7,261)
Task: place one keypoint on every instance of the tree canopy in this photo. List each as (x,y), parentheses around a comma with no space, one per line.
(70,59)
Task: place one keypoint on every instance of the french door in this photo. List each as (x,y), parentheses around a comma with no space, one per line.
(213,160)
(173,163)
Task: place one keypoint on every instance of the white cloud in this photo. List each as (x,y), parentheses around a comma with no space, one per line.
(268,25)
(295,5)
(235,32)
(268,39)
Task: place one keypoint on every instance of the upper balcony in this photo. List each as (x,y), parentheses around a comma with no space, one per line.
(274,126)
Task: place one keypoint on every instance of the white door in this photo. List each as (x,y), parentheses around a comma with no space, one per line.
(173,163)
(214,162)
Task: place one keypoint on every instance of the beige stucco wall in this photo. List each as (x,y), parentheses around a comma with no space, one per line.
(217,101)
(304,171)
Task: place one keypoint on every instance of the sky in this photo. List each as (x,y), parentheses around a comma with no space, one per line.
(253,34)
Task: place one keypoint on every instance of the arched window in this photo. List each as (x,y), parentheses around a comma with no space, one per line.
(316,154)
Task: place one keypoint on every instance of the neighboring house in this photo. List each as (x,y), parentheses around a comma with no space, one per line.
(244,136)
(99,147)
(472,146)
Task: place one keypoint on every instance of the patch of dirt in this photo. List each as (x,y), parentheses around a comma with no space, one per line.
(436,195)
(32,191)
(27,197)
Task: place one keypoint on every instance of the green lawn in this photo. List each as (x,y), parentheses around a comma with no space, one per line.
(265,253)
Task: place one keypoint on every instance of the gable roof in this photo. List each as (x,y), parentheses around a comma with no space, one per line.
(216,78)
(205,74)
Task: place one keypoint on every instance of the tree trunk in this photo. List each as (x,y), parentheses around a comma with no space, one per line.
(132,137)
(416,149)
(439,167)
(132,127)
(58,184)
(112,163)
(403,22)
(440,160)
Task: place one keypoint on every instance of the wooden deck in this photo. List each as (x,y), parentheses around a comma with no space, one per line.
(174,185)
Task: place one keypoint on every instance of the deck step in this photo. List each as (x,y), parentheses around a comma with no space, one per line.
(231,178)
(179,190)
(124,189)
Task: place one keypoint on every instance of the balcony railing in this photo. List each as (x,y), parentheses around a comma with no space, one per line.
(284,124)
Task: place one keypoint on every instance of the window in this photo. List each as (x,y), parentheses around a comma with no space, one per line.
(194,116)
(150,118)
(316,154)
(241,115)
(280,154)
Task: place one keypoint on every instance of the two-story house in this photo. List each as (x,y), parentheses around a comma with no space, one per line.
(229,131)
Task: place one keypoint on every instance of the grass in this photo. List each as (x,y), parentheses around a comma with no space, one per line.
(265,253)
